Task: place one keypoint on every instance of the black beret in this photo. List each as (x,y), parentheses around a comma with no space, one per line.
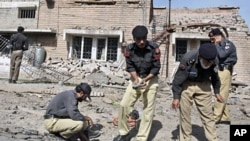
(214,32)
(208,51)
(140,31)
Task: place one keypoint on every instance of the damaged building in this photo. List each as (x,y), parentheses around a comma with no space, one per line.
(98,30)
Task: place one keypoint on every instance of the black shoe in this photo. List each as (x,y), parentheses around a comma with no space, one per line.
(121,138)
(223,122)
(14,81)
(93,133)
(10,81)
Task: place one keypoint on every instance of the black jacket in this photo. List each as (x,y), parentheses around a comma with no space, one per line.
(143,61)
(227,54)
(19,42)
(191,70)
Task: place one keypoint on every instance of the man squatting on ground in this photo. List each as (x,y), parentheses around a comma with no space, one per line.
(143,64)
(64,118)
(192,83)
(227,56)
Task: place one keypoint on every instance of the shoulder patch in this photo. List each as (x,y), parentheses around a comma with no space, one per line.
(227,45)
(191,61)
(127,53)
(182,67)
(157,54)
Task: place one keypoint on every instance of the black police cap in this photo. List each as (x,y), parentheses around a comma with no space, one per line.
(140,31)
(214,32)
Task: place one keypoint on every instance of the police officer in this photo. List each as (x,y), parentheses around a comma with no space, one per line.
(63,117)
(19,43)
(192,81)
(143,64)
(227,56)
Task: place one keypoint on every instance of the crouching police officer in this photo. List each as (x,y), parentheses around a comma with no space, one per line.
(63,117)
(143,64)
(192,83)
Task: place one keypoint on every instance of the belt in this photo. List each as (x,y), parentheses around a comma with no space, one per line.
(51,116)
(225,66)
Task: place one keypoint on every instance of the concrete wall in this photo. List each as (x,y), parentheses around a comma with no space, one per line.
(9,14)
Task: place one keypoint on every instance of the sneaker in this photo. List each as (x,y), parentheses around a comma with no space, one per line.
(93,133)
(121,138)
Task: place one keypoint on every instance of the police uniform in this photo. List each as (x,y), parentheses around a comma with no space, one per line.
(20,44)
(144,62)
(227,59)
(191,84)
(63,116)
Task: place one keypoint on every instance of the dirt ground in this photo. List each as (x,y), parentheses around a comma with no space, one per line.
(23,105)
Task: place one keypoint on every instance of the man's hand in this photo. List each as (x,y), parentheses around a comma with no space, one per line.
(131,121)
(219,98)
(89,120)
(175,104)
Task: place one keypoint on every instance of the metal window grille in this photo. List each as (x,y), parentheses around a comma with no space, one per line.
(87,47)
(181,49)
(101,49)
(27,13)
(77,43)
(112,49)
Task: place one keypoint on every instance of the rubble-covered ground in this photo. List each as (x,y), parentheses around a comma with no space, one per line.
(23,105)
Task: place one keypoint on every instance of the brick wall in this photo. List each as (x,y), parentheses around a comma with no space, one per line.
(67,15)
(225,16)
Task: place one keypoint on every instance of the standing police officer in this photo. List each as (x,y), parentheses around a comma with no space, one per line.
(192,81)
(143,64)
(227,59)
(19,43)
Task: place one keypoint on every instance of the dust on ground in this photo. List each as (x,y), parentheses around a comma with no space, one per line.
(23,106)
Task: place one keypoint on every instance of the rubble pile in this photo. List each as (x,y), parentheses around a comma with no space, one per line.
(95,72)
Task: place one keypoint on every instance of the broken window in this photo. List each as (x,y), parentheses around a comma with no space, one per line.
(27,13)
(181,49)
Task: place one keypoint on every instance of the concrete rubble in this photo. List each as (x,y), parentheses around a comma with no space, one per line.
(96,73)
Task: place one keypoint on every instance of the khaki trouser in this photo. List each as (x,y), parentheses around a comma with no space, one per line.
(200,94)
(126,106)
(65,127)
(15,64)
(221,112)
